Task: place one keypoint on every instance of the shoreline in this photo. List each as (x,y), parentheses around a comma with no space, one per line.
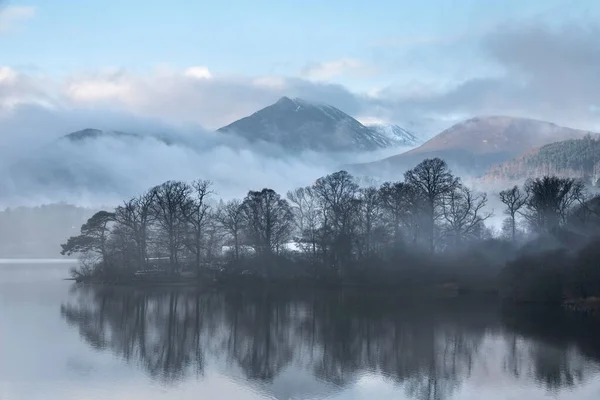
(590,306)
(443,291)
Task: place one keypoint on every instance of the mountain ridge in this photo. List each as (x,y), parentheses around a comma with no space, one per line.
(294,125)
(474,145)
(87,134)
(297,124)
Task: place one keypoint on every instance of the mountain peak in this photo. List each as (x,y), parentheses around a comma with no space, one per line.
(294,104)
(296,124)
(284,100)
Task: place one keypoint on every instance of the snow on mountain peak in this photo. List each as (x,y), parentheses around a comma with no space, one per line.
(297,124)
(397,134)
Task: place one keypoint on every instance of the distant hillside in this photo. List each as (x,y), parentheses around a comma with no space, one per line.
(472,146)
(296,125)
(75,161)
(92,134)
(576,158)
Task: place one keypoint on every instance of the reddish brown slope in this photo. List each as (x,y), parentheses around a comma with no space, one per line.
(474,145)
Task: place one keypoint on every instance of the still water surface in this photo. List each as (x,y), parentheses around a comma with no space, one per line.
(60,341)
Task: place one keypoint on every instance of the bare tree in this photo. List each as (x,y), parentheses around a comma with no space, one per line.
(231,218)
(169,208)
(434,181)
(196,212)
(136,215)
(307,218)
(550,199)
(214,236)
(336,194)
(463,213)
(298,200)
(268,220)
(370,217)
(400,203)
(514,199)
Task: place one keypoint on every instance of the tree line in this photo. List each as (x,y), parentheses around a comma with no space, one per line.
(335,228)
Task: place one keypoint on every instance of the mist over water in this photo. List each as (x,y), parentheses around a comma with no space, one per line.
(61,341)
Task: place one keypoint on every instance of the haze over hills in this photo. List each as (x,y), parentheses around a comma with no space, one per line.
(472,146)
(294,125)
(115,164)
(117,161)
(575,158)
(297,125)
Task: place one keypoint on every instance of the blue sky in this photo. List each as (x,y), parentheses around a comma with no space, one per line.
(250,37)
(396,53)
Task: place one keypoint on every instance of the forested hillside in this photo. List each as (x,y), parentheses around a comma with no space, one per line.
(576,158)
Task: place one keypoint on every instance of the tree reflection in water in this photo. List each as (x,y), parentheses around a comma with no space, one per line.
(428,349)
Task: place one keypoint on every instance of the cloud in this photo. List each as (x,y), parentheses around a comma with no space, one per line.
(37,167)
(540,72)
(7,75)
(98,91)
(191,96)
(527,69)
(198,72)
(331,69)
(11,17)
(537,71)
(16,89)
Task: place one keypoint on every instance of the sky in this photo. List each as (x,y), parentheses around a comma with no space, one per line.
(423,64)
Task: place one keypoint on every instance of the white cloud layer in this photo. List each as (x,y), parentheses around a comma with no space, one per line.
(198,72)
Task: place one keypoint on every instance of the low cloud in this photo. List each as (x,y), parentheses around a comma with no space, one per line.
(39,167)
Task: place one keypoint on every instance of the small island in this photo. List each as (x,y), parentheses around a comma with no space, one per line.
(424,235)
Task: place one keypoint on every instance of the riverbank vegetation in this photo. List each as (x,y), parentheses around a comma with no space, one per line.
(428,230)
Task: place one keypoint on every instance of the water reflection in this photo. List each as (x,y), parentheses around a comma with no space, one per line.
(427,349)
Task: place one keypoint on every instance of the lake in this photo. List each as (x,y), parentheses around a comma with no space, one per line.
(63,341)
